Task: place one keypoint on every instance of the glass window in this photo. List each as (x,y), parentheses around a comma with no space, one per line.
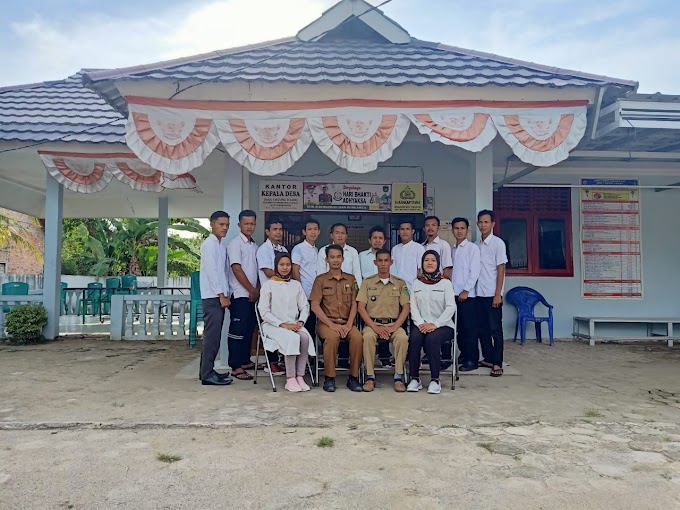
(514,233)
(552,244)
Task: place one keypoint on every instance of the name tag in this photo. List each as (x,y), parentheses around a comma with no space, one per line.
(373,288)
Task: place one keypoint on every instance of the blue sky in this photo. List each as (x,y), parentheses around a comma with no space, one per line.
(50,39)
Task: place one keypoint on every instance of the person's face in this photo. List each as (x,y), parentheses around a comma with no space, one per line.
(311,232)
(430,263)
(431,228)
(339,236)
(405,232)
(275,232)
(334,259)
(220,227)
(485,225)
(247,225)
(460,231)
(383,262)
(377,240)
(284,266)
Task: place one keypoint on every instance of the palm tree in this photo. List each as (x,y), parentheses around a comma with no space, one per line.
(13,233)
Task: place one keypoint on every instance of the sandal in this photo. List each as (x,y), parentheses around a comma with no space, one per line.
(251,366)
(485,364)
(242,375)
(496,371)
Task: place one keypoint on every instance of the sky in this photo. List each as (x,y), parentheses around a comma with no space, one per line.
(632,39)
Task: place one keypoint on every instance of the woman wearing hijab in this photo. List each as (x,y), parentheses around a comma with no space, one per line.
(284,309)
(432,307)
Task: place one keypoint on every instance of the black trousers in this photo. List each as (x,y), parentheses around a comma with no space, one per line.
(433,345)
(490,330)
(241,329)
(213,318)
(466,325)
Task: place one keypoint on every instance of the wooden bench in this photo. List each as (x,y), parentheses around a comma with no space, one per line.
(590,322)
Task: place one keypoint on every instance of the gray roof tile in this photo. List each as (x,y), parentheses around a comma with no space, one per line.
(62,110)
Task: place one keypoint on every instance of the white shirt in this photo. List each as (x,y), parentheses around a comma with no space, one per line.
(243,252)
(492,254)
(434,304)
(366,261)
(283,302)
(305,255)
(214,268)
(350,263)
(444,250)
(407,261)
(466,266)
(265,258)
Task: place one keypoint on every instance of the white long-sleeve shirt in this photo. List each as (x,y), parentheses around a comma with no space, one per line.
(283,302)
(214,278)
(434,304)
(350,263)
(407,261)
(466,267)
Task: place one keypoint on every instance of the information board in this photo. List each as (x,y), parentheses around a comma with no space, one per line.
(280,195)
(330,196)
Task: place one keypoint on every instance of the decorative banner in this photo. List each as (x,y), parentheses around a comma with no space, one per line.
(468,130)
(407,197)
(327,196)
(280,195)
(611,261)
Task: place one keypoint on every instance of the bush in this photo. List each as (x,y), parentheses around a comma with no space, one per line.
(24,323)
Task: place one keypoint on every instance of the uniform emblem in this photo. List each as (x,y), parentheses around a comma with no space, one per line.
(373,298)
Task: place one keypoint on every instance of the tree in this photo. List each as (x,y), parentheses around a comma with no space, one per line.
(12,232)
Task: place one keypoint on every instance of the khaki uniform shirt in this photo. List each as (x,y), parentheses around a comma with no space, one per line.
(336,296)
(383,301)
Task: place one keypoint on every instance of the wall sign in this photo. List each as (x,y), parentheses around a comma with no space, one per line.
(611,260)
(280,195)
(329,196)
(408,197)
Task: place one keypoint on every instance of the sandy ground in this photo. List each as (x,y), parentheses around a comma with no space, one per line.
(576,427)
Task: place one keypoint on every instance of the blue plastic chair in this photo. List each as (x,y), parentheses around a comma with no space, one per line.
(196,308)
(525,300)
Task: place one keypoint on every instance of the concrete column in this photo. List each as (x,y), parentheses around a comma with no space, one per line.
(232,202)
(482,167)
(54,202)
(162,262)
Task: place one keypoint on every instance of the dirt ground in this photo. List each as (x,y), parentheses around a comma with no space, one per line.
(82,423)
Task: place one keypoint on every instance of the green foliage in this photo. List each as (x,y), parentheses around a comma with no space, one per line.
(25,323)
(13,232)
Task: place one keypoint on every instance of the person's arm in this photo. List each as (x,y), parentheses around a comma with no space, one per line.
(265,260)
(501,260)
(296,272)
(321,262)
(473,272)
(403,315)
(449,307)
(415,311)
(447,262)
(264,305)
(315,298)
(303,305)
(356,267)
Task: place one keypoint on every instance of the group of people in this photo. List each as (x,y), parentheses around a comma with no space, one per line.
(406,297)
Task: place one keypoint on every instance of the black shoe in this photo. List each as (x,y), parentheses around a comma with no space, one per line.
(386,363)
(216,380)
(445,365)
(424,361)
(353,384)
(468,366)
(223,376)
(329,384)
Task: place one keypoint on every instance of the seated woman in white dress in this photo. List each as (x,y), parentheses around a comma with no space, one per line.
(433,304)
(284,309)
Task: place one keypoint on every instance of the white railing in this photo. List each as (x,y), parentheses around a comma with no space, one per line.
(10,302)
(149,317)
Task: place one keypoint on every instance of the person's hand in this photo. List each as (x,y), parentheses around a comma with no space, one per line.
(345,329)
(224,301)
(382,332)
(497,301)
(338,329)
(299,325)
(427,327)
(463,296)
(253,295)
(289,326)
(390,330)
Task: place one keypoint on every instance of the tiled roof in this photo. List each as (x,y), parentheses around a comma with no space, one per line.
(61,110)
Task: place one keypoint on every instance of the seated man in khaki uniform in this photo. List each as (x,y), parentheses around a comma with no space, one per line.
(384,307)
(333,300)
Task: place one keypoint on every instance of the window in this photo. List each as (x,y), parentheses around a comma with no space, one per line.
(535,224)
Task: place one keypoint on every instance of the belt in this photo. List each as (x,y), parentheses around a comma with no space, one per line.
(338,321)
(383,321)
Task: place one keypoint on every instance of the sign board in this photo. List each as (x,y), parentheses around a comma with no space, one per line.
(611,258)
(407,197)
(328,196)
(280,195)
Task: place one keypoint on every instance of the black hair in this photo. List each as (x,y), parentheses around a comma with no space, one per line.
(334,225)
(312,220)
(248,213)
(383,250)
(459,219)
(334,247)
(410,222)
(484,212)
(432,218)
(218,214)
(272,221)
(375,229)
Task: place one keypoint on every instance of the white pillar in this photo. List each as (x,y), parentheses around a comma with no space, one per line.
(482,167)
(235,183)
(162,262)
(54,201)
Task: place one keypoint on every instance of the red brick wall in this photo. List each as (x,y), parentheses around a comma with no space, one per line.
(24,261)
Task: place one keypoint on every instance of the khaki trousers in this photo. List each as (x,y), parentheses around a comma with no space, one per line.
(398,339)
(331,341)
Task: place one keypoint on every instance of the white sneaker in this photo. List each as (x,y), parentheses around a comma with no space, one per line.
(434,387)
(414,385)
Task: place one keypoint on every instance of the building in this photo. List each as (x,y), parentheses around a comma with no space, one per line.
(18,260)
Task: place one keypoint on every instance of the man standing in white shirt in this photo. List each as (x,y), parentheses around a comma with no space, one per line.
(434,242)
(350,262)
(489,300)
(304,257)
(215,294)
(464,276)
(242,252)
(407,255)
